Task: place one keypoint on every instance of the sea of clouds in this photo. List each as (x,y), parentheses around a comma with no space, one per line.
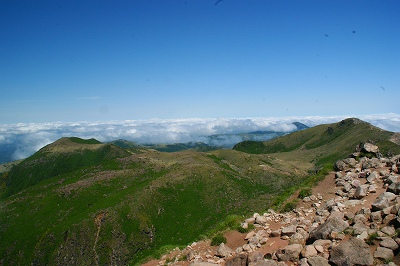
(18,141)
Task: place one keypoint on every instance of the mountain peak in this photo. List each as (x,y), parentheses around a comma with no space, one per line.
(68,144)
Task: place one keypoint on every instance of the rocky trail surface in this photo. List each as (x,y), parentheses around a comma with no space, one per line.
(351,218)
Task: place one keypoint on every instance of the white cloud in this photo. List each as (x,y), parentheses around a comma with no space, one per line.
(27,138)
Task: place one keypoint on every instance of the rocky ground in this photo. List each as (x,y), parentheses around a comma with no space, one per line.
(351,218)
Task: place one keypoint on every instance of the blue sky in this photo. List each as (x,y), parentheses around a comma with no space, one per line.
(135,60)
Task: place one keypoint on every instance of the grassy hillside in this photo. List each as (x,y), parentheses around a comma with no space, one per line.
(324,143)
(80,202)
(61,157)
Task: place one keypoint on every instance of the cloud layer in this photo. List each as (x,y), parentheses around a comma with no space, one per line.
(18,141)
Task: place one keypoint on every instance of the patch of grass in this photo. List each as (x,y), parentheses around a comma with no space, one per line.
(218,239)
(371,239)
(230,222)
(290,206)
(305,192)
(84,141)
(349,231)
(242,230)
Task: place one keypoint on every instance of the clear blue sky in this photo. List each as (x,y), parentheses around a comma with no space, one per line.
(116,60)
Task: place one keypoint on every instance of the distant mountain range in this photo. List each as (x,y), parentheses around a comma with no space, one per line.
(213,142)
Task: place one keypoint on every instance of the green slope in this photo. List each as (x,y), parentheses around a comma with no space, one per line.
(63,156)
(324,143)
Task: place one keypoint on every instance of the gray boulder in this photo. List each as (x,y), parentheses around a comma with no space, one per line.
(290,252)
(382,201)
(255,256)
(352,252)
(289,230)
(339,165)
(384,254)
(324,230)
(361,192)
(394,188)
(388,242)
(309,251)
(238,260)
(205,264)
(372,177)
(369,147)
(223,251)
(263,263)
(317,261)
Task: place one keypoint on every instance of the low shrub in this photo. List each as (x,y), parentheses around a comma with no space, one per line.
(305,192)
(289,206)
(371,238)
(218,239)
(242,230)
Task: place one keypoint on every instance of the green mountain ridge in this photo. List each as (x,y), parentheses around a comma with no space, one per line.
(83,202)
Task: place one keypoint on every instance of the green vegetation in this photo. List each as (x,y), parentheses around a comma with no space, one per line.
(84,141)
(240,229)
(218,239)
(290,206)
(371,238)
(305,192)
(82,202)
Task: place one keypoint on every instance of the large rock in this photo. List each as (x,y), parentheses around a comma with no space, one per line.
(317,261)
(206,264)
(290,252)
(238,260)
(261,220)
(324,230)
(372,177)
(394,188)
(309,251)
(388,242)
(255,256)
(361,192)
(339,165)
(383,201)
(223,251)
(384,254)
(289,230)
(263,263)
(369,147)
(297,238)
(352,252)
